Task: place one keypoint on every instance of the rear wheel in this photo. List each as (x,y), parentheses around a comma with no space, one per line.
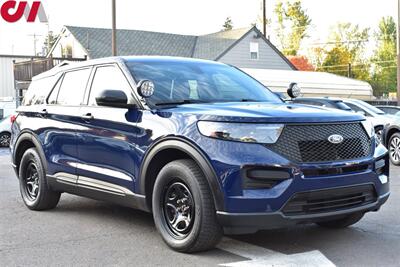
(183,208)
(34,189)
(5,139)
(342,222)
(394,149)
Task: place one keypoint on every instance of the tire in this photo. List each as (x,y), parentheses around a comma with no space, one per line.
(182,180)
(394,149)
(34,188)
(343,222)
(379,134)
(5,139)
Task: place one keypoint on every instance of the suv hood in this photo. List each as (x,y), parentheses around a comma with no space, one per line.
(264,112)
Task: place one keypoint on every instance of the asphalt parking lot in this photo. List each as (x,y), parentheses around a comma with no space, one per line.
(82,232)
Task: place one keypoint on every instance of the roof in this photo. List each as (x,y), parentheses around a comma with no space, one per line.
(68,65)
(96,42)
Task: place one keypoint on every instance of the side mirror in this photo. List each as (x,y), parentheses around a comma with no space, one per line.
(145,88)
(294,90)
(113,98)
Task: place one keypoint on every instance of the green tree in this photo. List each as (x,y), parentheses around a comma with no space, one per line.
(293,23)
(48,43)
(384,78)
(347,46)
(228,24)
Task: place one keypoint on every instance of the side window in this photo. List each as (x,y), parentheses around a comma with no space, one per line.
(52,99)
(38,91)
(73,87)
(107,78)
(357,109)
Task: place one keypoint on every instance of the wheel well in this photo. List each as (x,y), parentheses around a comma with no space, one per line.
(22,147)
(389,135)
(161,159)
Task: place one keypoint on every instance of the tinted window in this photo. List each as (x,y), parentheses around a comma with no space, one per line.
(343,106)
(54,93)
(73,87)
(107,78)
(357,109)
(200,81)
(38,91)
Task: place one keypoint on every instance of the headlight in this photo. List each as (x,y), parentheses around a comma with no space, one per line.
(369,128)
(243,132)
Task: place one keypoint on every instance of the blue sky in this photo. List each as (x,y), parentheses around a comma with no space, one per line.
(185,17)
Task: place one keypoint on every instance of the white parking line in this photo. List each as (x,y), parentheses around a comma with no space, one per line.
(261,257)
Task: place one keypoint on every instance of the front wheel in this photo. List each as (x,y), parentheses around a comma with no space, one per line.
(394,149)
(183,208)
(342,222)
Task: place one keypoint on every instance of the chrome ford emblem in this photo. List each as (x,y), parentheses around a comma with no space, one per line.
(335,139)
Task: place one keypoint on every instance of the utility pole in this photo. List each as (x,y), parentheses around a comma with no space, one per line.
(265,18)
(398,52)
(349,70)
(34,42)
(114,26)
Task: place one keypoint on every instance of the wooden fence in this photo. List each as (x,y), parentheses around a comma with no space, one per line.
(25,70)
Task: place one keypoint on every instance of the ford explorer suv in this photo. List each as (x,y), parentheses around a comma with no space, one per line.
(201,145)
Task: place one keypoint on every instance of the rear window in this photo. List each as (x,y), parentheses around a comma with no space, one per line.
(38,91)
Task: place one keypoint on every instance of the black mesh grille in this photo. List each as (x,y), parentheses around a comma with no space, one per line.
(330,200)
(309,143)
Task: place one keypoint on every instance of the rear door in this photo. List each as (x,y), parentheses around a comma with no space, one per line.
(63,122)
(107,142)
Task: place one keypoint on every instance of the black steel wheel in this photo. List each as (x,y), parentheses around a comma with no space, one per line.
(183,208)
(178,209)
(35,192)
(394,149)
(5,139)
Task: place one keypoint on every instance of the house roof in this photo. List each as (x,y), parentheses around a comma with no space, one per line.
(96,42)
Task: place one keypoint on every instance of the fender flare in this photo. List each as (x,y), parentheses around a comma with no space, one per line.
(33,138)
(196,154)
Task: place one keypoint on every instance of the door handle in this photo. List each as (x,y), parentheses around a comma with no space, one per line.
(87,117)
(43,112)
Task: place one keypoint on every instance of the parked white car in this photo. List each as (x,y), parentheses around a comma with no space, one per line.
(5,132)
(377,117)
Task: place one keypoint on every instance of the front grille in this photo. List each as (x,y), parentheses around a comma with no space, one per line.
(309,143)
(334,171)
(330,200)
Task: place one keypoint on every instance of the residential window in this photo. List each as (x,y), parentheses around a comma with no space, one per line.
(253,50)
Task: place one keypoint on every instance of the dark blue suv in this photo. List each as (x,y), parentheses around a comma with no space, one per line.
(203,146)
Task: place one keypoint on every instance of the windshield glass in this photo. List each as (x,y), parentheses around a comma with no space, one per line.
(371,108)
(192,82)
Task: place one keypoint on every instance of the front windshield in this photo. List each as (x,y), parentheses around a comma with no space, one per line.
(198,82)
(371,108)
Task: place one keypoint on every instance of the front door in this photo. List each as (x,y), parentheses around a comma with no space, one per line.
(106,142)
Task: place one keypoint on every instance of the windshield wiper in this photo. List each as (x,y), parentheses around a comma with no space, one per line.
(249,100)
(181,102)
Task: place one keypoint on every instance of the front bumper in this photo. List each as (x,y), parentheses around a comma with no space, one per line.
(245,223)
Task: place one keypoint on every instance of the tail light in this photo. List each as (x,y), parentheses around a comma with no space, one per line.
(13,118)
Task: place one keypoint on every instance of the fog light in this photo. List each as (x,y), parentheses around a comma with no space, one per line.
(383,178)
(380,166)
